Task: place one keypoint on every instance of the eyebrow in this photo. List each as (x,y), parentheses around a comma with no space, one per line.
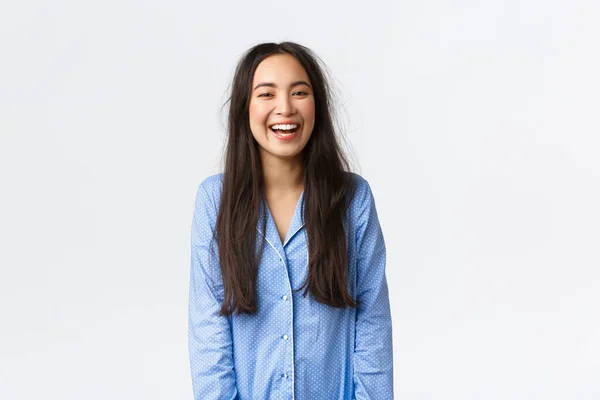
(271,84)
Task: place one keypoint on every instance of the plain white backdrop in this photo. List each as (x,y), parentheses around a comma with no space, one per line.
(475,122)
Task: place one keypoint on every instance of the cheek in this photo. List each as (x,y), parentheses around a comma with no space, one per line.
(258,113)
(309,110)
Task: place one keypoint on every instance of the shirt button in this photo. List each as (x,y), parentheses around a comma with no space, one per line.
(285,337)
(284,376)
(284,297)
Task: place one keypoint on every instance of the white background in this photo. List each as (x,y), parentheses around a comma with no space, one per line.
(476,123)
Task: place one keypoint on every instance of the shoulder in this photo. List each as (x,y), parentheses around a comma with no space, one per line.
(210,187)
(212,184)
(208,195)
(362,203)
(361,190)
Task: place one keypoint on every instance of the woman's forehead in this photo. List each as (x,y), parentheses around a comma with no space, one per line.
(281,70)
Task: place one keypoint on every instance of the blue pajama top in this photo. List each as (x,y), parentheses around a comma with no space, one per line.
(293,347)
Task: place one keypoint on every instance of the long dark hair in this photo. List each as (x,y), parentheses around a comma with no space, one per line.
(328,188)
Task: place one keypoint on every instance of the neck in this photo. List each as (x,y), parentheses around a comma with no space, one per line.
(282,175)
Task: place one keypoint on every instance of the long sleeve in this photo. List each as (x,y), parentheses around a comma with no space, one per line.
(209,334)
(373,357)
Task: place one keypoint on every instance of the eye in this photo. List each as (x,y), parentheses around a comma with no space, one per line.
(265,95)
(300,93)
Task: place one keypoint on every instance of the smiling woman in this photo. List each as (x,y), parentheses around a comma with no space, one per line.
(288,292)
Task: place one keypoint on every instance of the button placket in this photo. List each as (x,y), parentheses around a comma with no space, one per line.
(288,375)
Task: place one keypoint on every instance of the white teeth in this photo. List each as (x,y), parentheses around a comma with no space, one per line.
(284,127)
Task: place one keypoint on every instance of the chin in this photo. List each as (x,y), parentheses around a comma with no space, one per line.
(286,155)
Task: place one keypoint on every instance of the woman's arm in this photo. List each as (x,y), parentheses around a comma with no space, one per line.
(209,334)
(373,359)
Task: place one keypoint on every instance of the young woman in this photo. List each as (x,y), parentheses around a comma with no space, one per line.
(288,293)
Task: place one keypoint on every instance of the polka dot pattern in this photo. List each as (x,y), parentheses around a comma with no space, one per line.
(293,347)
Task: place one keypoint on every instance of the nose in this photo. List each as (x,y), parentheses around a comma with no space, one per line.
(285,106)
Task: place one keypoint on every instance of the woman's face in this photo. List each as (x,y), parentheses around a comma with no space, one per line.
(282,107)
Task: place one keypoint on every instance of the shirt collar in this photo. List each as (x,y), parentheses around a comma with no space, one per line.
(270,231)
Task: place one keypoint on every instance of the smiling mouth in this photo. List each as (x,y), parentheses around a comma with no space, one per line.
(284,129)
